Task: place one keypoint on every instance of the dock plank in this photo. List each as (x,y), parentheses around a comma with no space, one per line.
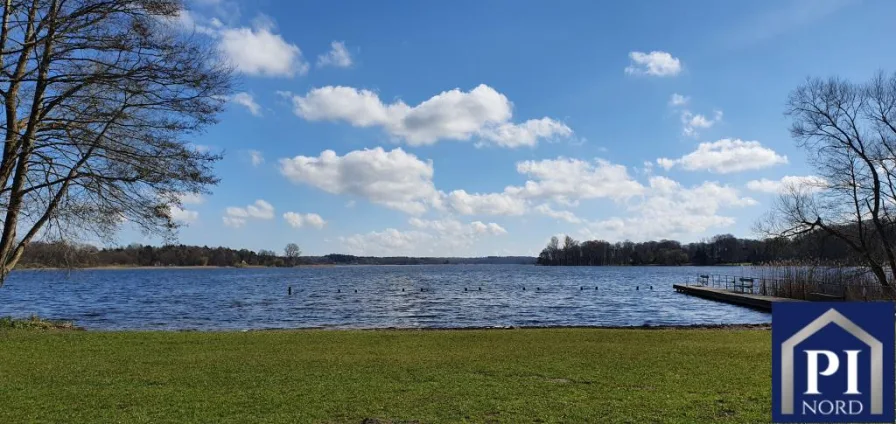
(754,301)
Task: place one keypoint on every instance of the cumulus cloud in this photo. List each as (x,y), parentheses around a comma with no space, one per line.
(726,156)
(236,217)
(390,242)
(526,134)
(259,51)
(253,50)
(190,198)
(454,227)
(246,100)
(297,220)
(451,115)
(401,181)
(175,203)
(395,179)
(446,236)
(491,228)
(183,215)
(562,180)
(565,180)
(655,63)
(485,204)
(807,183)
(692,123)
(670,210)
(338,56)
(568,216)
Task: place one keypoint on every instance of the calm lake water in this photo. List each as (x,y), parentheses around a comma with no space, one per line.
(387,296)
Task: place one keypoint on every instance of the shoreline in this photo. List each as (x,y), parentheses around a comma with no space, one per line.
(141,267)
(66,325)
(730,327)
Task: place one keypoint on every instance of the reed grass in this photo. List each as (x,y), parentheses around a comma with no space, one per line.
(811,280)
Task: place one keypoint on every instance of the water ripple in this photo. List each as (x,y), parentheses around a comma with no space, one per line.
(366,297)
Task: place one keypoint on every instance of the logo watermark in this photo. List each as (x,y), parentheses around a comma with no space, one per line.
(833,362)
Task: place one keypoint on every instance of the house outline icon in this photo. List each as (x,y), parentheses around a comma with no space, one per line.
(832,316)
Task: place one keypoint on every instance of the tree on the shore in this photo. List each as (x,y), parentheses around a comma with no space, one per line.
(811,247)
(292,253)
(98,97)
(849,131)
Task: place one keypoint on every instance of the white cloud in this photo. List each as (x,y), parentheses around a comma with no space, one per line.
(454,227)
(809,183)
(526,134)
(233,222)
(678,100)
(485,204)
(175,202)
(390,242)
(253,50)
(669,210)
(294,220)
(565,180)
(256,157)
(439,225)
(655,63)
(395,179)
(182,215)
(315,220)
(258,51)
(562,180)
(726,156)
(259,210)
(693,122)
(451,115)
(338,56)
(401,181)
(567,216)
(491,228)
(246,100)
(429,237)
(191,198)
(297,220)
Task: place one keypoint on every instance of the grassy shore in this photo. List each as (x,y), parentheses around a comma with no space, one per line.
(512,376)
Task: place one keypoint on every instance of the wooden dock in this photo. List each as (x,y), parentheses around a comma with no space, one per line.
(754,301)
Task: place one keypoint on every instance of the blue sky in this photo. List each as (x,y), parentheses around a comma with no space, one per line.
(479,128)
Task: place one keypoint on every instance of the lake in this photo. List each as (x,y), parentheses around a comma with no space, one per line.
(367,297)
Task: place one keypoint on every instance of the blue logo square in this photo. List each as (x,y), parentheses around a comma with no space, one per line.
(833,362)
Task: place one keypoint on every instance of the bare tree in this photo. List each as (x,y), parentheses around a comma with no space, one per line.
(292,253)
(849,132)
(98,96)
(570,250)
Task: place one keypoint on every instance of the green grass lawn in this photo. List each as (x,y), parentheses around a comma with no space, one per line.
(512,376)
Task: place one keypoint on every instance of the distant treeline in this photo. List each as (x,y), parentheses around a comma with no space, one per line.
(64,255)
(721,249)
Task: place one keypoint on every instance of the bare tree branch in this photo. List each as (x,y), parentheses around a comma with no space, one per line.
(847,130)
(99,96)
